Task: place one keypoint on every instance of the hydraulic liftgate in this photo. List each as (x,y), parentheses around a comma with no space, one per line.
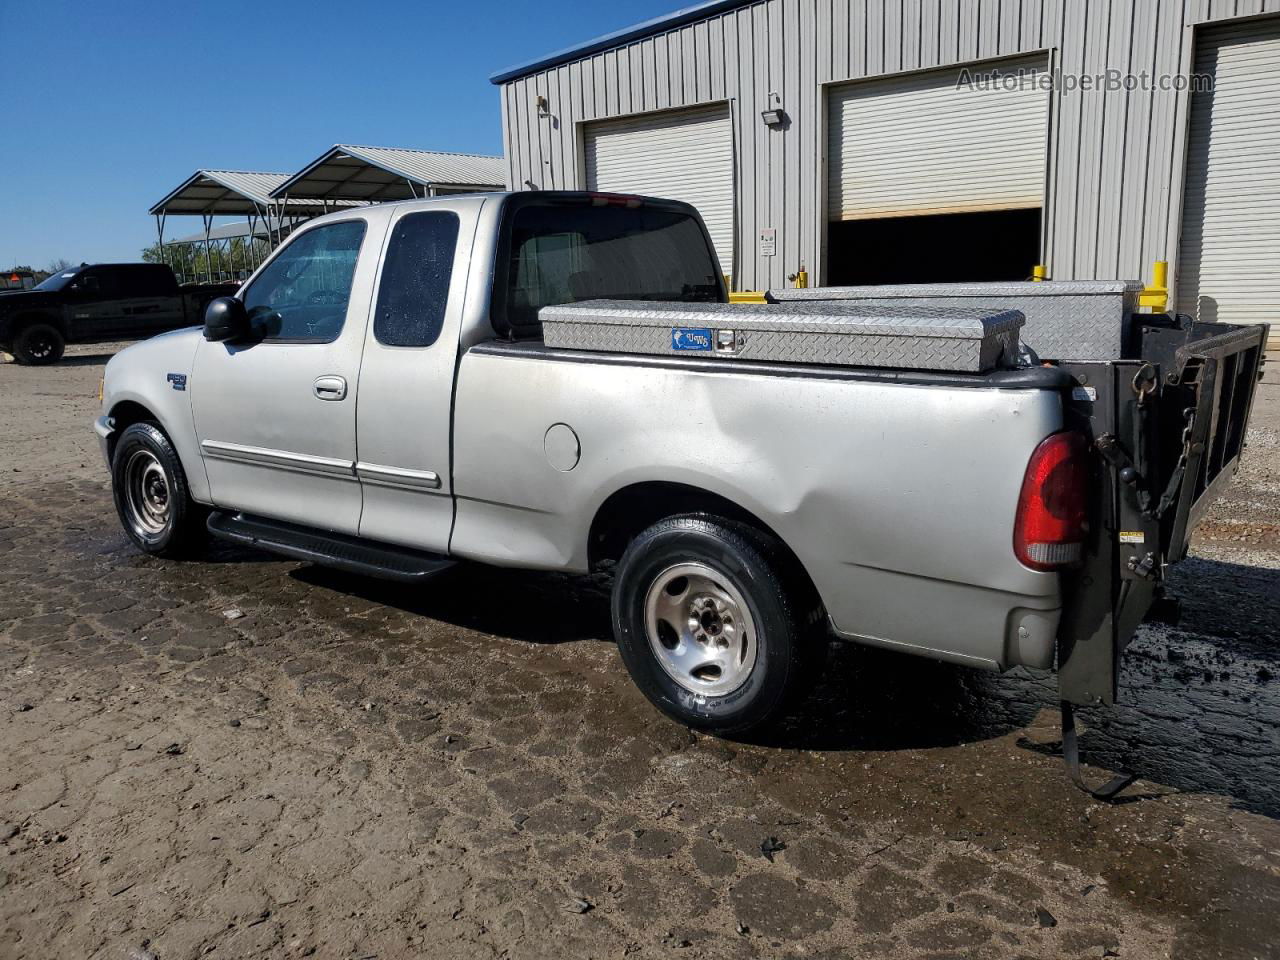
(1168,429)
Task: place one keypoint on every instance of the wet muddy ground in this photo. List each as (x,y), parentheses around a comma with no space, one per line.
(252,757)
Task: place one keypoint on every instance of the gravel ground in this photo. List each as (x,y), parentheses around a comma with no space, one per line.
(250,757)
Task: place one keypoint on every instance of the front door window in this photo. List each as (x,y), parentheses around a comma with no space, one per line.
(302,295)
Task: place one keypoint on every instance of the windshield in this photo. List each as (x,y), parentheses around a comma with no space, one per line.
(56,281)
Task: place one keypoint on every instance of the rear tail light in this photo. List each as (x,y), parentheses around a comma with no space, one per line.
(1049,531)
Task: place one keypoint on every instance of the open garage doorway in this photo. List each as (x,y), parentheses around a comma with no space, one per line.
(946,248)
(937,176)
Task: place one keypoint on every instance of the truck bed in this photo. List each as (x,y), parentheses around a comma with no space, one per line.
(893,488)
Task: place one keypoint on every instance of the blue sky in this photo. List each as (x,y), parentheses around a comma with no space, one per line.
(108,106)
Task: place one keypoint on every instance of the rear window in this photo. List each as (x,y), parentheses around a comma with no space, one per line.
(145,281)
(570,251)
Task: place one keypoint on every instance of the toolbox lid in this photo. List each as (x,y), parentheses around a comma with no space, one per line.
(830,317)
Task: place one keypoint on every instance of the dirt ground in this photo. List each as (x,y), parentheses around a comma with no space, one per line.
(249,757)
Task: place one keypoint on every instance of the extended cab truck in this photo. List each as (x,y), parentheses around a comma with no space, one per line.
(378,398)
(96,304)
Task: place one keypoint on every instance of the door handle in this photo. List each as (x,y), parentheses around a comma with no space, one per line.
(330,388)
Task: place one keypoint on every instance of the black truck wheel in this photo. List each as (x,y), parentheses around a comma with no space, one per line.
(150,491)
(37,344)
(710,625)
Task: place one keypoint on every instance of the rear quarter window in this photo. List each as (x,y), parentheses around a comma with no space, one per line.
(414,290)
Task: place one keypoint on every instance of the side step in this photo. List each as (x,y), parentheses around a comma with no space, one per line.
(366,557)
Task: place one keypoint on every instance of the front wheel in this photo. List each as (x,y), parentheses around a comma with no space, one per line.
(150,491)
(38,344)
(709,624)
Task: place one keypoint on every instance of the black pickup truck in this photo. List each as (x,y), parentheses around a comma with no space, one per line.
(99,303)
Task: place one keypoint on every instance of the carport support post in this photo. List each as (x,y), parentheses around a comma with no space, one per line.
(160,239)
(208,246)
(246,248)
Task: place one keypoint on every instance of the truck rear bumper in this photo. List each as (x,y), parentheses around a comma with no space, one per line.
(959,623)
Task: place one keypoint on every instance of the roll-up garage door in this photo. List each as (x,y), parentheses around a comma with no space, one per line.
(927,143)
(1229,268)
(680,155)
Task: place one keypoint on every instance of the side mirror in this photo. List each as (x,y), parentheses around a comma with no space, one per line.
(225,319)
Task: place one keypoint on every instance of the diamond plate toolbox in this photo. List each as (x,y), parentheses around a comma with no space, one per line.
(1066,319)
(951,338)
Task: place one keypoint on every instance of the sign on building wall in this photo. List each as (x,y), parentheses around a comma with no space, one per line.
(768,241)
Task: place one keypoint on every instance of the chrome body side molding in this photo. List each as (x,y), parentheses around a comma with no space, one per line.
(279,459)
(400,477)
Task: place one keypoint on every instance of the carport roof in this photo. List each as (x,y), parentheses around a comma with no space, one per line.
(228,192)
(348,172)
(262,228)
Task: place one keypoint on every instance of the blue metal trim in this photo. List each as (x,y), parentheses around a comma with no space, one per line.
(669,21)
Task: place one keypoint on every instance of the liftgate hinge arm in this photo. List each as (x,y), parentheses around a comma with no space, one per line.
(1111,451)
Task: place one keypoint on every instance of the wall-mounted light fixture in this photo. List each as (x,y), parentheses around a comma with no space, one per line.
(541,103)
(774,116)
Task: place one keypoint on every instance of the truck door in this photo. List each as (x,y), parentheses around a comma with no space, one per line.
(406,379)
(151,303)
(95,306)
(276,416)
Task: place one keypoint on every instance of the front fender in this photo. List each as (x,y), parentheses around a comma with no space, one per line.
(153,375)
(14,321)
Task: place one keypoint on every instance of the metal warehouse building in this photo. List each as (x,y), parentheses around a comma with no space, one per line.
(917,140)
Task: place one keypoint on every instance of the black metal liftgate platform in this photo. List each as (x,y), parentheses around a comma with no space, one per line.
(1168,431)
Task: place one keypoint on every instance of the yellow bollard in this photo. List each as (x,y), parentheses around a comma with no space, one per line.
(1156,295)
(1039,272)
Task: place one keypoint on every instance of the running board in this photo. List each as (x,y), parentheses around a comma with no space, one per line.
(366,557)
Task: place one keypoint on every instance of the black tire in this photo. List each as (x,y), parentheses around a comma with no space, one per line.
(38,344)
(778,606)
(151,494)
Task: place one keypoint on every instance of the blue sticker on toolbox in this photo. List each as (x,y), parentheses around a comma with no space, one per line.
(691,338)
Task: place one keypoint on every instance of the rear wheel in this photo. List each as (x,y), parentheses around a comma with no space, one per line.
(150,490)
(710,625)
(37,344)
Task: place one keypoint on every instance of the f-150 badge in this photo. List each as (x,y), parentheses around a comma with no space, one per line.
(178,380)
(691,338)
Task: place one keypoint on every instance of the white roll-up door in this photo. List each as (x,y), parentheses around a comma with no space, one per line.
(680,155)
(928,143)
(1229,266)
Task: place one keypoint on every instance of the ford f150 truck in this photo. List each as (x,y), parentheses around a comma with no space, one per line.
(379,398)
(95,304)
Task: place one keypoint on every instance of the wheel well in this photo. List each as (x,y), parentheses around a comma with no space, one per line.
(631,510)
(126,413)
(24,320)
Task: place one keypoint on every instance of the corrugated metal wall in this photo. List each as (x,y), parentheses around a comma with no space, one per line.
(1115,159)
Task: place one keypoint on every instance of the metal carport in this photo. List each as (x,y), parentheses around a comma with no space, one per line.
(222,193)
(376,174)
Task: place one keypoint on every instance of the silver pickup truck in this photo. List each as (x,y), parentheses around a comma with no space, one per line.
(379,398)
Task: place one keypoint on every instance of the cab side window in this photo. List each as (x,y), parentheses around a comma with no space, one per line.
(148,281)
(302,295)
(100,284)
(414,290)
